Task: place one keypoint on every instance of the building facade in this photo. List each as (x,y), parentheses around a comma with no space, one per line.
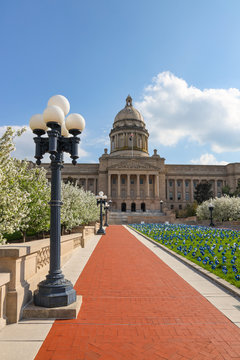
(136,181)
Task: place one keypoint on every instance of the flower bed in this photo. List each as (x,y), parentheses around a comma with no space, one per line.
(217,250)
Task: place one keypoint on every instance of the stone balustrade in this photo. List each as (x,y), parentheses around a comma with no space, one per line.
(24,265)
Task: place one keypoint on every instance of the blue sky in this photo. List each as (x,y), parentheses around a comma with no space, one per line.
(178,59)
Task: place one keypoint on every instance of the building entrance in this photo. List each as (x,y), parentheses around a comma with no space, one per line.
(123,207)
(133,207)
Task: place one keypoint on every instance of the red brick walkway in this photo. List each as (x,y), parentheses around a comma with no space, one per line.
(135,307)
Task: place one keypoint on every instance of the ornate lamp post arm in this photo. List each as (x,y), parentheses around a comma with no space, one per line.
(55,290)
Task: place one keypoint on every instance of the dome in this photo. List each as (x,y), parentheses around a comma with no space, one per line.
(129,112)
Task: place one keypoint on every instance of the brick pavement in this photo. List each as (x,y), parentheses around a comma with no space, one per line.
(136,307)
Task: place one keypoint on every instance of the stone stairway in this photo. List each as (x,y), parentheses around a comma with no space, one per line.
(117,218)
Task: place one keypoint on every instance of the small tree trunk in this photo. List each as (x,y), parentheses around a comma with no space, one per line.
(24,235)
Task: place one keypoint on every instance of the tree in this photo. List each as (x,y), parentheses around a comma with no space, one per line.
(203,192)
(225,208)
(79,206)
(13,201)
(33,181)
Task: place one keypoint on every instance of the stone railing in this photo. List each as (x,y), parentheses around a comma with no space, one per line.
(23,266)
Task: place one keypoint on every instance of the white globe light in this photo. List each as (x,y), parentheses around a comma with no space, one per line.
(64,131)
(101,193)
(54,114)
(75,121)
(61,101)
(37,123)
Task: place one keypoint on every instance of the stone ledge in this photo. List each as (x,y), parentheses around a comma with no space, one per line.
(22,249)
(210,276)
(71,311)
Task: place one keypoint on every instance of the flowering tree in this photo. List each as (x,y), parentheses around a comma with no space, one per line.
(33,181)
(13,201)
(79,206)
(225,208)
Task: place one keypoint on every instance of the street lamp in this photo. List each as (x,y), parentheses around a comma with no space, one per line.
(55,290)
(211,207)
(101,199)
(161,204)
(106,208)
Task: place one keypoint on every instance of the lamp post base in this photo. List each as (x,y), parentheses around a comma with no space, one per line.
(101,231)
(54,293)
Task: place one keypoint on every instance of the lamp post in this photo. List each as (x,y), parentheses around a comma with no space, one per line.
(211,207)
(106,208)
(55,290)
(161,204)
(101,200)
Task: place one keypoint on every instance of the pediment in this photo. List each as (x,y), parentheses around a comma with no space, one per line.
(133,164)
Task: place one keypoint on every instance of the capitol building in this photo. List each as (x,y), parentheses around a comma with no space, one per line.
(137,181)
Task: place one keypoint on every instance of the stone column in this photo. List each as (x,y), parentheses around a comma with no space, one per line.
(147,185)
(175,190)
(156,183)
(86,183)
(215,188)
(109,186)
(191,191)
(138,185)
(128,185)
(184,190)
(118,192)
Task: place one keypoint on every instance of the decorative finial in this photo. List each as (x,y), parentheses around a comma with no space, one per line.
(128,101)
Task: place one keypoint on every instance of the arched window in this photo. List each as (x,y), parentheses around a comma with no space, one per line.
(123,207)
(143,207)
(133,207)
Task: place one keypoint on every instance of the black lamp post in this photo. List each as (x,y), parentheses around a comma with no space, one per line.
(161,204)
(211,207)
(101,200)
(106,208)
(55,290)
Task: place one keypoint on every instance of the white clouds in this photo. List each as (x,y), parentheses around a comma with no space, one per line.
(173,111)
(208,159)
(25,147)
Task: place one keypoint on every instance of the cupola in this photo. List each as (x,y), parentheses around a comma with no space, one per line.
(129,136)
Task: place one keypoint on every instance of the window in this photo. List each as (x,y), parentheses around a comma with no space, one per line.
(219,183)
(179,183)
(172,207)
(170,183)
(186,183)
(187,196)
(180,207)
(123,193)
(150,180)
(132,181)
(114,180)
(170,195)
(219,195)
(179,196)
(123,180)
(141,181)
(195,184)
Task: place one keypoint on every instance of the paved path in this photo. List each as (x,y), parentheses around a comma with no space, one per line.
(136,307)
